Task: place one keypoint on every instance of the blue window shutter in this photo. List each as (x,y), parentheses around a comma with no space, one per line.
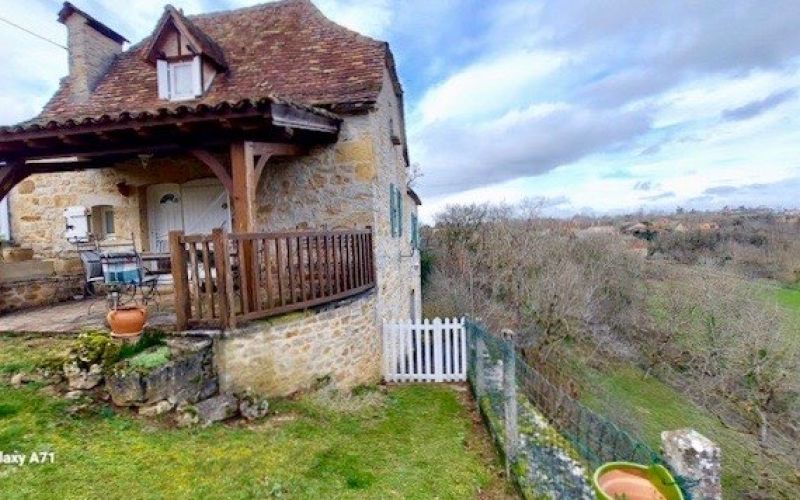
(399,213)
(393,210)
(414,231)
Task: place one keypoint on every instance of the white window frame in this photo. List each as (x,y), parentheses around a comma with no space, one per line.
(166,79)
(102,212)
(173,69)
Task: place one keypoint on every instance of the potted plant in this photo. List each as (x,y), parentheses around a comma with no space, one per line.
(629,481)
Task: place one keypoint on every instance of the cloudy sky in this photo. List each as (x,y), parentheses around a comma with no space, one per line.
(590,106)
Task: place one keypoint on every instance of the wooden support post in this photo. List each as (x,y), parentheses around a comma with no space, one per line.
(244,193)
(510,399)
(244,190)
(180,280)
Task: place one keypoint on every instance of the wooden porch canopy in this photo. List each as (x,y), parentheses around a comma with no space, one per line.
(253,130)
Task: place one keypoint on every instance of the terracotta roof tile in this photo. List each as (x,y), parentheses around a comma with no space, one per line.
(287,49)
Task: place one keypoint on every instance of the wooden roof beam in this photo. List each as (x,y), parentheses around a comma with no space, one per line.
(11,174)
(218,168)
(266,150)
(285,115)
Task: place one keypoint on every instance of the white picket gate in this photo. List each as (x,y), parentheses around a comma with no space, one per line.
(431,351)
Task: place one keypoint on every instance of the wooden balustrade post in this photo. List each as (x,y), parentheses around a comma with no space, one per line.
(221,263)
(180,280)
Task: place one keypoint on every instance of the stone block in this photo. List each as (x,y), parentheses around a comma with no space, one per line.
(216,409)
(696,458)
(187,378)
(355,151)
(156,409)
(17,254)
(126,389)
(78,379)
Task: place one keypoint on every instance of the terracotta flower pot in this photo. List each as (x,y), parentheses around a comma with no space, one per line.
(635,482)
(127,322)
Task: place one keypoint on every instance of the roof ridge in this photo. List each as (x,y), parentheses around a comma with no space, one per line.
(238,10)
(285,3)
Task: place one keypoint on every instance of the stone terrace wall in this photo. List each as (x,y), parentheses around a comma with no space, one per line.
(280,356)
(26,293)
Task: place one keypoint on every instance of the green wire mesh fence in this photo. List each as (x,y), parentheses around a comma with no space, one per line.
(559,442)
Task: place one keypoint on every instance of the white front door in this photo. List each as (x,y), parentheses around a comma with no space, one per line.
(205,206)
(196,207)
(164,214)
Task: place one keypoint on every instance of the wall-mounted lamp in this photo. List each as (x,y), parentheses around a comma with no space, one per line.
(144,158)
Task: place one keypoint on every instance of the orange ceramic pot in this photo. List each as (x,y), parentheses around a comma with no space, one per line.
(127,321)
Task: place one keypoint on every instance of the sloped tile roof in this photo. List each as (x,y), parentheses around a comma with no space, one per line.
(173,110)
(286,48)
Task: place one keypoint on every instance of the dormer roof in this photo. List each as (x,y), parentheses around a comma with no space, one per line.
(192,38)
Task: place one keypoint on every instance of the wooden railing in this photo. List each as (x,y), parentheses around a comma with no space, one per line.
(221,279)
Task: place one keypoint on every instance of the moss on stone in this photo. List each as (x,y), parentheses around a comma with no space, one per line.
(94,347)
(149,359)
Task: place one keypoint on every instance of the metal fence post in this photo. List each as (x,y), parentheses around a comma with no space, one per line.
(510,398)
(480,381)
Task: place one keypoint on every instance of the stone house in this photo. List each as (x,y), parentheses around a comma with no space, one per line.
(264,120)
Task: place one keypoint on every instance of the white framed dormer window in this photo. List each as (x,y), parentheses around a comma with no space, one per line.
(180,80)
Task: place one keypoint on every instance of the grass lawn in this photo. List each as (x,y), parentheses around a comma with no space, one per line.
(645,407)
(411,442)
(790,297)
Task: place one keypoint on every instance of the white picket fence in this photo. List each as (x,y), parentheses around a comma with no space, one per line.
(431,351)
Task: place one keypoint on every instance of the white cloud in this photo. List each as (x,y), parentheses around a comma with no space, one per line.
(710,97)
(369,17)
(32,67)
(492,85)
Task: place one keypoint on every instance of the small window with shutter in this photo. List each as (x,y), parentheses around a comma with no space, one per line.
(179,80)
(399,195)
(414,231)
(393,210)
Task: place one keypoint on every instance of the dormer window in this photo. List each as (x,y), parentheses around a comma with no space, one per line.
(186,59)
(180,79)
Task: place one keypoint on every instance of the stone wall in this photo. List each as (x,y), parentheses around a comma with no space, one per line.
(37,203)
(287,354)
(26,293)
(396,259)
